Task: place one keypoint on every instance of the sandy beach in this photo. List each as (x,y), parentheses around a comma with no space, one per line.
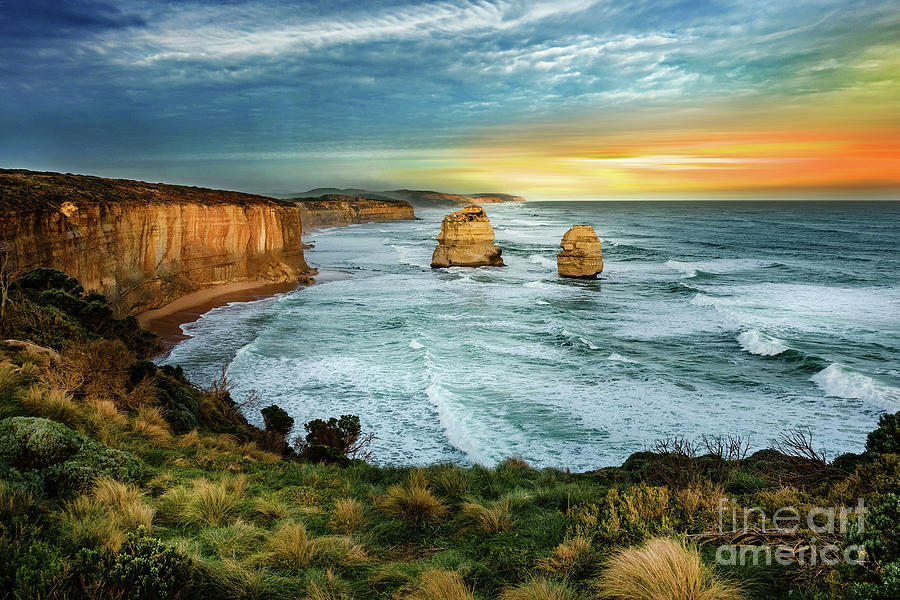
(166,321)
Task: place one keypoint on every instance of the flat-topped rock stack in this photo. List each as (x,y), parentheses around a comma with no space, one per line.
(581,255)
(466,240)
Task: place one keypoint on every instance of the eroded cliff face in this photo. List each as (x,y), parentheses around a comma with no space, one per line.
(466,240)
(154,245)
(334,210)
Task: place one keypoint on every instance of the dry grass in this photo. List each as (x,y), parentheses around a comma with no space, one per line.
(575,555)
(438,584)
(292,545)
(413,501)
(13,500)
(662,570)
(490,519)
(539,589)
(206,503)
(125,502)
(149,422)
(271,509)
(327,587)
(53,403)
(94,524)
(349,515)
(189,439)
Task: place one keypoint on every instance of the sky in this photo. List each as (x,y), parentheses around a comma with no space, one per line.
(550,100)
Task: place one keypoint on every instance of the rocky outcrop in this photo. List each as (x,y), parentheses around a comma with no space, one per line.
(466,240)
(334,210)
(581,254)
(143,245)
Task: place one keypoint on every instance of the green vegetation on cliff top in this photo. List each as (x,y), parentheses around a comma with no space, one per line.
(122,479)
(22,190)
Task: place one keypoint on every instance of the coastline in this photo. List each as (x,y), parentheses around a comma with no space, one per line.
(166,321)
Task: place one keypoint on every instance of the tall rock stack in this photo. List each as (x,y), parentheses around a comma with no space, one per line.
(581,256)
(466,240)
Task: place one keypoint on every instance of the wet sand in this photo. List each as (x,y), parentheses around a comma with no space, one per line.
(167,320)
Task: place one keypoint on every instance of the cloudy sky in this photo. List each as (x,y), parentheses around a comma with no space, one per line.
(570,98)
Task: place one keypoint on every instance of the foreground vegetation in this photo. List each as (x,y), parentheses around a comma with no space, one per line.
(121,479)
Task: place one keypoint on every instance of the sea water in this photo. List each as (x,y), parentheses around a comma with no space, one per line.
(709,318)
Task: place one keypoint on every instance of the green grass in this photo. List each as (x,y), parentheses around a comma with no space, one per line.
(246,523)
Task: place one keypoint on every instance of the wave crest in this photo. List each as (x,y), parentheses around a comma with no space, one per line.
(757,342)
(842,382)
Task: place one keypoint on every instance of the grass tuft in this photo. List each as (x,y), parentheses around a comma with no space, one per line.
(662,569)
(413,501)
(438,584)
(539,589)
(349,515)
(490,519)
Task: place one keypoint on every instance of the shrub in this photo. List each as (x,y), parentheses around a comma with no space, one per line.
(632,515)
(348,515)
(334,441)
(539,589)
(662,570)
(64,461)
(145,569)
(886,438)
(413,501)
(438,584)
(277,420)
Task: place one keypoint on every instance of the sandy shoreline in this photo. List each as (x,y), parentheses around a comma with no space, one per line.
(167,320)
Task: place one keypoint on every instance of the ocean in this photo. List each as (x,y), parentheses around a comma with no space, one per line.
(718,318)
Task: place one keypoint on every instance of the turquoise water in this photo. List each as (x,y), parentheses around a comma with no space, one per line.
(716,318)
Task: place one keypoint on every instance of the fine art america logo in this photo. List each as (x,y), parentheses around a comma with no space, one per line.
(751,536)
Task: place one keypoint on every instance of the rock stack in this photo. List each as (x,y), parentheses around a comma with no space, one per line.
(466,240)
(581,256)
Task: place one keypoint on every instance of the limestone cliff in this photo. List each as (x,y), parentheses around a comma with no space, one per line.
(142,245)
(466,240)
(333,210)
(581,254)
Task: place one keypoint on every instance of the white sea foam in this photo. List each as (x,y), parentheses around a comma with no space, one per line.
(543,261)
(588,343)
(537,285)
(619,358)
(842,382)
(684,268)
(454,429)
(757,342)
(415,345)
(718,266)
(541,302)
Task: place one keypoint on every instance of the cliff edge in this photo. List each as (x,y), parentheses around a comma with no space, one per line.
(143,245)
(334,210)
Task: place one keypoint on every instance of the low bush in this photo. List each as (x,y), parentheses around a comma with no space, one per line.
(49,455)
